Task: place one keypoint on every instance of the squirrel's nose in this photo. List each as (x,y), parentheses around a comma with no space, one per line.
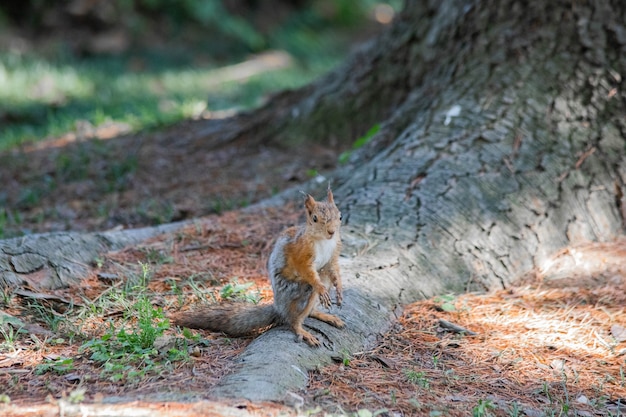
(331,233)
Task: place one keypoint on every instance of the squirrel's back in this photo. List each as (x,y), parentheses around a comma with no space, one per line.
(278,257)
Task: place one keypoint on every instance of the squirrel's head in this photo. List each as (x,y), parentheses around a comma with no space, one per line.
(323,217)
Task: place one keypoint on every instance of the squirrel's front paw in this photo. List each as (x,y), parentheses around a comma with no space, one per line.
(339,297)
(324,298)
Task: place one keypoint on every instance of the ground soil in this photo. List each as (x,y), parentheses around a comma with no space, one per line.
(101,181)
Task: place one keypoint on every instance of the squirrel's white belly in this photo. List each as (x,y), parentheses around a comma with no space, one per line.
(324,250)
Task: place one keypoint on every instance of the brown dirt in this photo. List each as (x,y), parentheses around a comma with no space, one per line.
(542,350)
(98,181)
(208,254)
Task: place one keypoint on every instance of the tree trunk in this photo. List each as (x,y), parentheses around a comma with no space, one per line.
(501,142)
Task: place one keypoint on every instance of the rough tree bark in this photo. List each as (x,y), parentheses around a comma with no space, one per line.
(502,141)
(59,260)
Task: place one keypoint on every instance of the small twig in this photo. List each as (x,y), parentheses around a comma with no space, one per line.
(455,327)
(603,342)
(508,164)
(578,163)
(562,176)
(196,247)
(210,246)
(517,142)
(584,156)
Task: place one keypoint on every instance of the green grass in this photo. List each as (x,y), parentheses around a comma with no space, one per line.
(60,366)
(126,348)
(128,351)
(417,378)
(359,143)
(236,291)
(483,408)
(44,92)
(45,97)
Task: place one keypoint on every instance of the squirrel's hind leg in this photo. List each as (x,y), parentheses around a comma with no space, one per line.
(327,318)
(297,316)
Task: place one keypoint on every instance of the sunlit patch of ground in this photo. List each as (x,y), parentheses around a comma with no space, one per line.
(537,351)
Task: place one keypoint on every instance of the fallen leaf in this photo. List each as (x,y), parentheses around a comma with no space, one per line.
(23,326)
(558,365)
(582,400)
(73,377)
(618,332)
(387,363)
(9,319)
(42,296)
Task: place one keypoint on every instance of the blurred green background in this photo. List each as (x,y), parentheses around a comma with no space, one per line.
(144,64)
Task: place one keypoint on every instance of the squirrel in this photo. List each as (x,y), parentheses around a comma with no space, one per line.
(302,265)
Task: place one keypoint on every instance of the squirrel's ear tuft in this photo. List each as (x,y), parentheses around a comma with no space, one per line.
(309,202)
(329,195)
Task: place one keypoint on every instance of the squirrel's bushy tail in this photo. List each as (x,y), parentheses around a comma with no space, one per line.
(234,319)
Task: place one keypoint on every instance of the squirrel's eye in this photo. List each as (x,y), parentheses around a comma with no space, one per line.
(314,218)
